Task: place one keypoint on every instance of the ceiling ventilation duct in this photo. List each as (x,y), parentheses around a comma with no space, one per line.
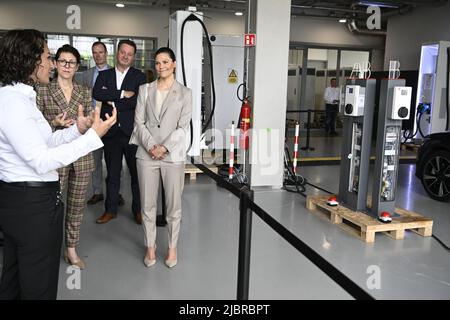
(403,8)
(353,27)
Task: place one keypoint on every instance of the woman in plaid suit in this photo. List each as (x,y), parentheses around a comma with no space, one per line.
(59,101)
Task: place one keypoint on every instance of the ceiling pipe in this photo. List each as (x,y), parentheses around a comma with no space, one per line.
(397,12)
(304,15)
(353,28)
(431,3)
(327,8)
(140,3)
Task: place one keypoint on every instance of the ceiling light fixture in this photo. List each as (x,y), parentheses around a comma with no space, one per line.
(238,13)
(343,20)
(120,5)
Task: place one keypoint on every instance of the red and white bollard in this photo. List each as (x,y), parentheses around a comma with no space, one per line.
(230,172)
(294,163)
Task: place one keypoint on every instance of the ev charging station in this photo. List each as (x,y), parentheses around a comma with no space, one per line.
(228,65)
(359,103)
(192,58)
(227,61)
(433,90)
(395,105)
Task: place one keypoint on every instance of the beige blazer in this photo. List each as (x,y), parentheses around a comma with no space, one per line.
(169,129)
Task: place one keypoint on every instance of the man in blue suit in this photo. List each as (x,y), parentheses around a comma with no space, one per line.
(119,86)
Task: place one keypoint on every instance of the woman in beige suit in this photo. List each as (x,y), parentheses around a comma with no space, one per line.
(161,125)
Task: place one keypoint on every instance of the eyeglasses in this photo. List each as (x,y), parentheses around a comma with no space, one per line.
(65,63)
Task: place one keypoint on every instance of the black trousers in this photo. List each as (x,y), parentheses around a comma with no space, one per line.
(115,148)
(331,112)
(32,223)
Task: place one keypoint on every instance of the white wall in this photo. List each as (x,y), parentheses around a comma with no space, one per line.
(50,16)
(95,19)
(269,92)
(406,34)
(100,19)
(349,58)
(224,23)
(329,32)
(317,54)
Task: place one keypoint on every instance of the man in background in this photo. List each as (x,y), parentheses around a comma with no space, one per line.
(331,97)
(119,87)
(99,53)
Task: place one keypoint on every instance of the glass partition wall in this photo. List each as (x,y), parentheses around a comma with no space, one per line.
(146,47)
(309,74)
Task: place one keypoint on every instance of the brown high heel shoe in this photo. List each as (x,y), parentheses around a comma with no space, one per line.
(79,263)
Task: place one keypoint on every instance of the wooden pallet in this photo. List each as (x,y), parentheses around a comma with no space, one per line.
(410,146)
(193,170)
(364,226)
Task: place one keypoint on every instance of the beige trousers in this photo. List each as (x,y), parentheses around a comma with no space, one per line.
(149,173)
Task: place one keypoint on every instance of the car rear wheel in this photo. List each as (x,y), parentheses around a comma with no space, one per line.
(436,175)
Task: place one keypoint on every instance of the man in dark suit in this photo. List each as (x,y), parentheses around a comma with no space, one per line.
(119,87)
(99,53)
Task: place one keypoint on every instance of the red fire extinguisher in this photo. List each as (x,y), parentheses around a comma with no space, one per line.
(245,125)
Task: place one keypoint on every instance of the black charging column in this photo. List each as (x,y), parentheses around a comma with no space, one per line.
(356,142)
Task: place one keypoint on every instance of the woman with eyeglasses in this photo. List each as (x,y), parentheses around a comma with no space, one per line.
(59,101)
(31,210)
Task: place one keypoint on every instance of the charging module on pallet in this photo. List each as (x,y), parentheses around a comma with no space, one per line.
(356,141)
(395,102)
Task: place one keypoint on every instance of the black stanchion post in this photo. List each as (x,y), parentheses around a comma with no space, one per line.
(245,236)
(308,128)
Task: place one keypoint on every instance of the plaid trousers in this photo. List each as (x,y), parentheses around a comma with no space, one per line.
(77,184)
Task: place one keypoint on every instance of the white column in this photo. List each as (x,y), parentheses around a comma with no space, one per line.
(267,73)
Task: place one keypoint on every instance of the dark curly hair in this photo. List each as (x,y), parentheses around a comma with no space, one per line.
(20,53)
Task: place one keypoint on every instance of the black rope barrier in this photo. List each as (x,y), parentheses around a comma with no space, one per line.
(221,181)
(246,206)
(341,279)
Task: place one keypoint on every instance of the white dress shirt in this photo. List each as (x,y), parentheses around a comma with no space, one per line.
(29,150)
(331,94)
(119,79)
(94,78)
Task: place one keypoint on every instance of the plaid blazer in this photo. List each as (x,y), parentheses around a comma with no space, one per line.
(51,102)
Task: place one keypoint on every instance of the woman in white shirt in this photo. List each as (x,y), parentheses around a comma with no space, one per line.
(31,211)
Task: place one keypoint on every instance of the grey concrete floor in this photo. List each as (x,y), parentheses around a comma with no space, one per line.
(413,268)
